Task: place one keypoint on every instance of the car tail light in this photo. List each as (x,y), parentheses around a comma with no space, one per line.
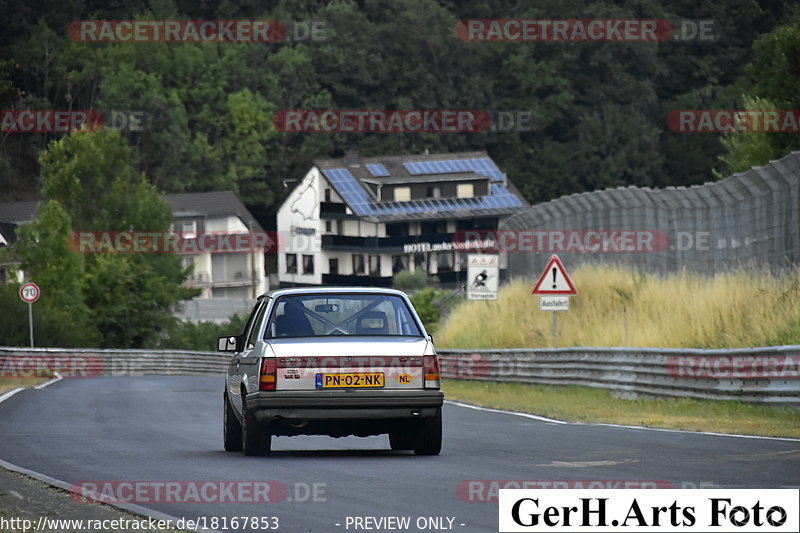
(431,368)
(269,372)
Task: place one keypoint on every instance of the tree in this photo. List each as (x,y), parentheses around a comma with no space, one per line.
(748,149)
(131,296)
(62,316)
(249,128)
(599,108)
(775,76)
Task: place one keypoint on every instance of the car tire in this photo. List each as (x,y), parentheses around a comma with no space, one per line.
(428,439)
(231,428)
(255,439)
(402,439)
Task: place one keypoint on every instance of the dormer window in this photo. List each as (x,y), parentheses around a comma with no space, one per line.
(465,190)
(402,194)
(189,229)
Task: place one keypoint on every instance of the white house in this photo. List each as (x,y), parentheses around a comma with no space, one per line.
(229,281)
(239,274)
(354,221)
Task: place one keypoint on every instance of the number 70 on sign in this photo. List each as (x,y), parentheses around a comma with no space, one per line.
(29,292)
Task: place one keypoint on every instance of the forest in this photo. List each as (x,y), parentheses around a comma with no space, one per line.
(598,110)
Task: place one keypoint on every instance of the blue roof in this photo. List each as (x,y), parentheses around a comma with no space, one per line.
(377,170)
(499,201)
(481,165)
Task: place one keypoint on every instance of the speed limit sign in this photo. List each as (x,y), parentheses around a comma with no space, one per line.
(29,292)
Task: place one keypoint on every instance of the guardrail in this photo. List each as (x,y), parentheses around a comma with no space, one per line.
(769,375)
(83,362)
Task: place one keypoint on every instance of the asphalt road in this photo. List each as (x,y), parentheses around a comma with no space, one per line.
(169,429)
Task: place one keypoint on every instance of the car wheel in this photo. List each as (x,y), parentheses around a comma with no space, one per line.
(231,428)
(255,439)
(428,439)
(402,439)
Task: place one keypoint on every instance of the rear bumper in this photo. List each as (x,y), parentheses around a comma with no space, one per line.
(344,405)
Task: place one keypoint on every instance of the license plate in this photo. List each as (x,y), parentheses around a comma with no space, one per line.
(350,380)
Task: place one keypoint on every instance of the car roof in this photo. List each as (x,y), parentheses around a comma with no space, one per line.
(331,290)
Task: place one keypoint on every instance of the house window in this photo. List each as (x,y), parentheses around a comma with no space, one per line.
(327,195)
(333,266)
(428,228)
(465,190)
(420,262)
(396,229)
(291,263)
(358,264)
(399,263)
(444,262)
(189,229)
(328,226)
(402,194)
(374,265)
(308,264)
(434,192)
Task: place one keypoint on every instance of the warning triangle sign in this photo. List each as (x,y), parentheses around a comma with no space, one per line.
(554,279)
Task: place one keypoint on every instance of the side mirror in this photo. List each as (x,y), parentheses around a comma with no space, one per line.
(226,344)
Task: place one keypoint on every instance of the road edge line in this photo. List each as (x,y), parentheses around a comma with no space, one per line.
(623,426)
(505,412)
(56,379)
(11,393)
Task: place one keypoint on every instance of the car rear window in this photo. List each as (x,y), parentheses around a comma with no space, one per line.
(322,315)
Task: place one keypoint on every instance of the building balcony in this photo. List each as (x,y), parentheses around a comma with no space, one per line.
(334,210)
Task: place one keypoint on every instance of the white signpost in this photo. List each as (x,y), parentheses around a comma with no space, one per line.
(555,287)
(30,293)
(483,275)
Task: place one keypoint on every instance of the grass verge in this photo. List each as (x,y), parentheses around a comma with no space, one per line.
(621,307)
(9,384)
(585,404)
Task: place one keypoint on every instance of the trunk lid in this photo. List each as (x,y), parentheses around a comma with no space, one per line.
(340,363)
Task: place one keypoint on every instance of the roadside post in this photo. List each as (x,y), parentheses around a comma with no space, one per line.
(554,288)
(483,276)
(30,293)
